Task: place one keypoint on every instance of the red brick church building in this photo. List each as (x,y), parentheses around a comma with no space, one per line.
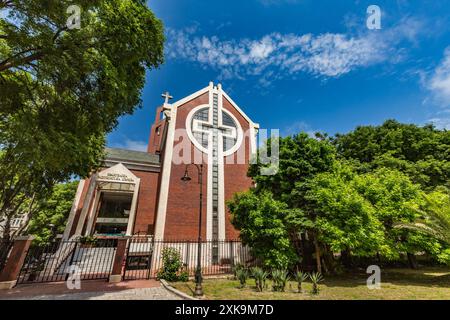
(144,193)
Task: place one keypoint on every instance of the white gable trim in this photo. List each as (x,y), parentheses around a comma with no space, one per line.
(192,96)
(221,92)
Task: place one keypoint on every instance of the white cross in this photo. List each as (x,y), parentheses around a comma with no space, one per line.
(207,127)
(166,97)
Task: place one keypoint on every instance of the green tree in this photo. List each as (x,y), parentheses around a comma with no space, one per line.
(432,224)
(51,216)
(262,222)
(63,89)
(346,219)
(420,152)
(339,205)
(361,214)
(272,216)
(435,213)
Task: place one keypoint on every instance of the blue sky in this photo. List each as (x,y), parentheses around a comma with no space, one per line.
(303,65)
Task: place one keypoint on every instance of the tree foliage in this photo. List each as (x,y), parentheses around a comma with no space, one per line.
(423,153)
(52,213)
(365,194)
(262,222)
(63,89)
(345,218)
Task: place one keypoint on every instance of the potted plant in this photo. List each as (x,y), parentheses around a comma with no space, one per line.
(87,241)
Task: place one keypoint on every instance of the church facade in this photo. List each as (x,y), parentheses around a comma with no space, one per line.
(199,150)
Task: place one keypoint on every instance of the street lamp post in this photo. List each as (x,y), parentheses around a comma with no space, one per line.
(198,272)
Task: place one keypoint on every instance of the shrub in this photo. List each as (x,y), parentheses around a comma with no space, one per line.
(242,275)
(300,277)
(315,277)
(172,265)
(183,276)
(279,278)
(88,240)
(260,277)
(236,269)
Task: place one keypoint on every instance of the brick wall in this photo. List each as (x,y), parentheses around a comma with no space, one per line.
(183,200)
(146,207)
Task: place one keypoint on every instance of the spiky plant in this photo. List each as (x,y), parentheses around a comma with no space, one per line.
(260,277)
(435,217)
(242,276)
(300,277)
(315,277)
(280,279)
(236,269)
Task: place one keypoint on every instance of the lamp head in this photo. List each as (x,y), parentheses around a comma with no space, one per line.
(186,177)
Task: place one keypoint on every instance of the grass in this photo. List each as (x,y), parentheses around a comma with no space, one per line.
(396,284)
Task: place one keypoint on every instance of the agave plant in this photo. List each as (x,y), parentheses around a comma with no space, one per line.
(242,276)
(260,278)
(315,277)
(236,269)
(280,279)
(300,277)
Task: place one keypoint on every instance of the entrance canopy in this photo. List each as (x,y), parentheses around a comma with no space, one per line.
(110,204)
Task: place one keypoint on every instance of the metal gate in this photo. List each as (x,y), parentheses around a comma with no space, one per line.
(57,260)
(138,258)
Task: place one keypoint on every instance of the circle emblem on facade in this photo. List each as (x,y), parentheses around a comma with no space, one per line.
(216,130)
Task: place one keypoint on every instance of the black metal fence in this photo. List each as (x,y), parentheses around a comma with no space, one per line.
(138,258)
(218,257)
(57,260)
(5,248)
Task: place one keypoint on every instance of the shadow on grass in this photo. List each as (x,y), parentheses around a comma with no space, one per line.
(439,277)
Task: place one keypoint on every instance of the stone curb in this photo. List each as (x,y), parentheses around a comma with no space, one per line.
(175,291)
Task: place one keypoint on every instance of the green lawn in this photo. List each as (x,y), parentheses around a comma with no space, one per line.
(425,283)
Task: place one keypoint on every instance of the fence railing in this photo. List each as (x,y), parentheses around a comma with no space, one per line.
(217,256)
(57,260)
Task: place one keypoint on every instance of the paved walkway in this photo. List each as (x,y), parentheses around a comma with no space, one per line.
(91,290)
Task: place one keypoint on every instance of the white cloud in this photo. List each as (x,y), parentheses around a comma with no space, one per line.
(439,81)
(297,127)
(129,144)
(328,55)
(440,123)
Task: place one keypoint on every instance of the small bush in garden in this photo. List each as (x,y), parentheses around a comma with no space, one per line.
(236,269)
(242,276)
(280,279)
(172,264)
(315,277)
(183,276)
(300,277)
(260,277)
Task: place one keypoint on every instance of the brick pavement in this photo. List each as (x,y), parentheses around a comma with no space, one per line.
(91,290)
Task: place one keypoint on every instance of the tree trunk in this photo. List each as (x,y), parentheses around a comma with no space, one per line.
(7,230)
(379,258)
(412,260)
(317,249)
(346,259)
(27,217)
(307,253)
(328,260)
